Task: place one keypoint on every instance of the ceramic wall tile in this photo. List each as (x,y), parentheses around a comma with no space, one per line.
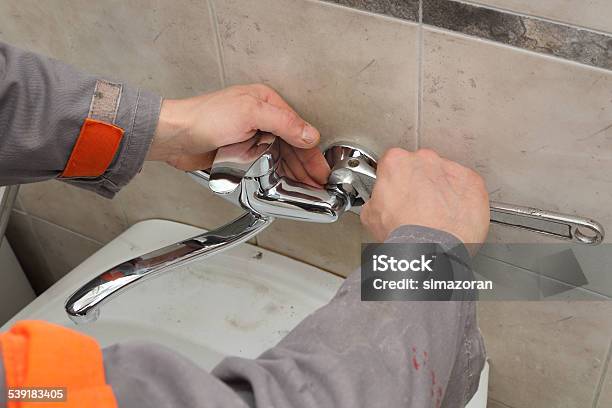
(404,9)
(594,14)
(351,74)
(496,404)
(545,354)
(28,251)
(333,247)
(77,209)
(63,249)
(160,191)
(167,46)
(605,397)
(538,129)
(522,31)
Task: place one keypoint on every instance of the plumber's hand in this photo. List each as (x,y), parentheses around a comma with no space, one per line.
(422,188)
(190,130)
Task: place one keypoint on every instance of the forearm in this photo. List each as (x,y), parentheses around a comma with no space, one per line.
(43,104)
(356,354)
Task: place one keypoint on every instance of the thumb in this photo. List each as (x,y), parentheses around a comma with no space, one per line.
(286,124)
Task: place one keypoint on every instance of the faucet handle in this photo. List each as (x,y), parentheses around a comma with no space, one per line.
(255,157)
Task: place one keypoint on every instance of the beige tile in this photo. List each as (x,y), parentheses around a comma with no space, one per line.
(352,75)
(79,210)
(537,128)
(334,247)
(605,397)
(161,191)
(167,46)
(496,404)
(28,251)
(545,354)
(594,14)
(62,249)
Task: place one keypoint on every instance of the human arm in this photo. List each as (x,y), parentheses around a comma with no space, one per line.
(44,103)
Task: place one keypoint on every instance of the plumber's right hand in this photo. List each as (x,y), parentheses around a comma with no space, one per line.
(421,188)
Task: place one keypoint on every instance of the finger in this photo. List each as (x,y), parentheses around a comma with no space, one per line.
(295,165)
(284,123)
(314,163)
(287,171)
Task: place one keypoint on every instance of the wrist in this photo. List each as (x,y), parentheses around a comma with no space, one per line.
(170,134)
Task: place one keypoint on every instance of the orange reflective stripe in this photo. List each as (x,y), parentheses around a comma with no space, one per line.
(94,150)
(39,354)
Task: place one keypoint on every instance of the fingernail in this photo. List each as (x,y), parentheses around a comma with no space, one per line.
(309,134)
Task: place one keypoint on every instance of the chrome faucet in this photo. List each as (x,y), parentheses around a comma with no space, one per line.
(248,174)
(251,175)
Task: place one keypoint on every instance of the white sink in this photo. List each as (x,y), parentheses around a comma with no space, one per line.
(240,302)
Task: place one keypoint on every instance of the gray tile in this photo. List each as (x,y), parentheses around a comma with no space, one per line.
(79,210)
(62,249)
(333,247)
(352,75)
(404,9)
(536,128)
(521,31)
(545,354)
(605,397)
(594,14)
(28,251)
(160,191)
(167,46)
(496,404)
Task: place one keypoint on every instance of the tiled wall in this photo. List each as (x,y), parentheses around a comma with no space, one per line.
(519,90)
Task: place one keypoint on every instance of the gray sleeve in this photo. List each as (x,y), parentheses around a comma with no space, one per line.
(43,104)
(347,354)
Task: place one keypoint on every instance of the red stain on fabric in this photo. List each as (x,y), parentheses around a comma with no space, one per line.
(433,378)
(415,363)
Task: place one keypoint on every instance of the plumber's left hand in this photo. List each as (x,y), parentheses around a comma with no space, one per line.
(190,130)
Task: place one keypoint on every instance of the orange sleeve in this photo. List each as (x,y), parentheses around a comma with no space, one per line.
(40,354)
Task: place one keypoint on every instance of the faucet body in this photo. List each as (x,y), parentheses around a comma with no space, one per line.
(248,174)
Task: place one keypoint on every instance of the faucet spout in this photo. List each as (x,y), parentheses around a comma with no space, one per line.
(84,305)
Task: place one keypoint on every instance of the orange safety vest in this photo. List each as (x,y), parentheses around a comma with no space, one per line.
(38,354)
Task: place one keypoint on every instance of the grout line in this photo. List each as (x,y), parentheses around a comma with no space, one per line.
(500,403)
(220,60)
(65,230)
(38,245)
(420,54)
(555,58)
(326,3)
(534,16)
(602,379)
